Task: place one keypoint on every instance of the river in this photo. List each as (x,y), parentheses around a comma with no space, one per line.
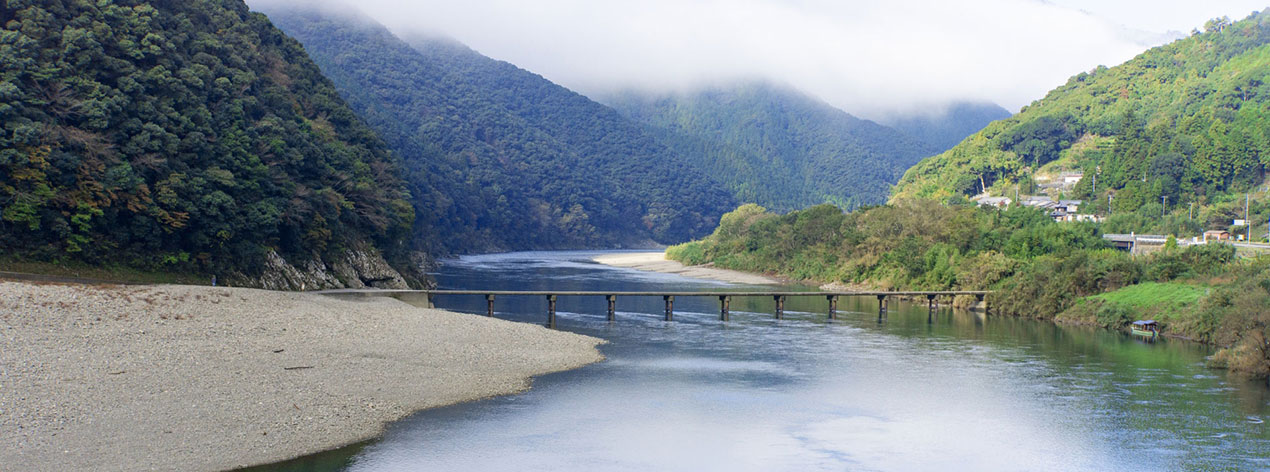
(956,391)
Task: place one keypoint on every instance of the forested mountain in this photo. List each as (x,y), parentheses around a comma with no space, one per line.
(945,129)
(778,147)
(501,158)
(1189,121)
(186,136)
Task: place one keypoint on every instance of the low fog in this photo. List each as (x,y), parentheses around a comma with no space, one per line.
(873,59)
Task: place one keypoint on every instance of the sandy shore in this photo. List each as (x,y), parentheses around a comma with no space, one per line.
(657,262)
(200,378)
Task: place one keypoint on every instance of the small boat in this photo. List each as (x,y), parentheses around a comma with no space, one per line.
(1145,328)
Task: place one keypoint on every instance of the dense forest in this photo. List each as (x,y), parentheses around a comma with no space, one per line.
(1179,124)
(499,158)
(1039,268)
(181,136)
(947,127)
(778,147)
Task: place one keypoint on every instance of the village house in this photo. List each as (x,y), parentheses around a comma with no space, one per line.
(998,202)
(1216,235)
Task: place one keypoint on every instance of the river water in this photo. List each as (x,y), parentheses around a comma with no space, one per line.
(953,391)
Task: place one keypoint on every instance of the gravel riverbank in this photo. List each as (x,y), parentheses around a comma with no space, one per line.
(198,378)
(657,262)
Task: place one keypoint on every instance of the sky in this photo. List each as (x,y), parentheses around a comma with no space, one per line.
(871,58)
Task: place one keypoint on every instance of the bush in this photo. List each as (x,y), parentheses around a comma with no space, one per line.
(1114,315)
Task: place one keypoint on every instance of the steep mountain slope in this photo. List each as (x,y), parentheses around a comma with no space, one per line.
(1189,121)
(187,136)
(777,147)
(502,158)
(947,128)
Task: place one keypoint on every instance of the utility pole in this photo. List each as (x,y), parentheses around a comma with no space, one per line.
(1165,207)
(1246,222)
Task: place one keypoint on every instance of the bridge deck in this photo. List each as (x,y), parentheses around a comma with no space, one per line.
(713,293)
(725,298)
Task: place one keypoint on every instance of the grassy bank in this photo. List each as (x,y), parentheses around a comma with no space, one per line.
(1173,304)
(1039,268)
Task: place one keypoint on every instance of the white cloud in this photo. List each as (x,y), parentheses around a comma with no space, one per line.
(867,57)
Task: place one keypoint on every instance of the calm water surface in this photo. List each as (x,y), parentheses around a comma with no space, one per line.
(957,391)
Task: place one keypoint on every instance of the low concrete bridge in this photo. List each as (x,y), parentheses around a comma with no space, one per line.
(725,298)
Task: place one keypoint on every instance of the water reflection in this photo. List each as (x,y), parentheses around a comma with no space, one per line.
(960,392)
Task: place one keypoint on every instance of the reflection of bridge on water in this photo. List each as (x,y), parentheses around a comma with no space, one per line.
(725,298)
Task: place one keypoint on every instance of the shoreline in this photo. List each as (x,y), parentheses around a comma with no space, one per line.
(201,378)
(657,262)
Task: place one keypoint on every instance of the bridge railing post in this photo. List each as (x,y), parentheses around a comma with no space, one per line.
(489,304)
(612,299)
(431,300)
(551,311)
(833,307)
(881,306)
(725,302)
(670,307)
(780,306)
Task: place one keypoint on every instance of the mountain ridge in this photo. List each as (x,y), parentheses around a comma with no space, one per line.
(777,146)
(1180,123)
(489,143)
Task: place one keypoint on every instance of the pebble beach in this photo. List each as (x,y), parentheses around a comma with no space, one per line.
(201,378)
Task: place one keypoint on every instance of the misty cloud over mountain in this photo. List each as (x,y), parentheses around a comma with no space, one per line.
(868,58)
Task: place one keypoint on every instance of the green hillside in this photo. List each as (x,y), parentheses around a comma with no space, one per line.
(945,129)
(778,147)
(501,158)
(1187,121)
(184,137)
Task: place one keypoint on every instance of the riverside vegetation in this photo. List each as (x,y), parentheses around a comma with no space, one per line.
(1039,268)
(1182,123)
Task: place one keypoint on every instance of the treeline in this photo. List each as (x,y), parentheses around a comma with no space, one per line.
(181,136)
(1037,267)
(1179,124)
(499,158)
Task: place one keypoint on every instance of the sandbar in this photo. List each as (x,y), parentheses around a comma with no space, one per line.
(112,378)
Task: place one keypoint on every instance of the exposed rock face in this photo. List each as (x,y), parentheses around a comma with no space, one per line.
(359,267)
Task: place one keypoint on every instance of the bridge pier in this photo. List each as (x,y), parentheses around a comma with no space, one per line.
(551,311)
(725,299)
(930,301)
